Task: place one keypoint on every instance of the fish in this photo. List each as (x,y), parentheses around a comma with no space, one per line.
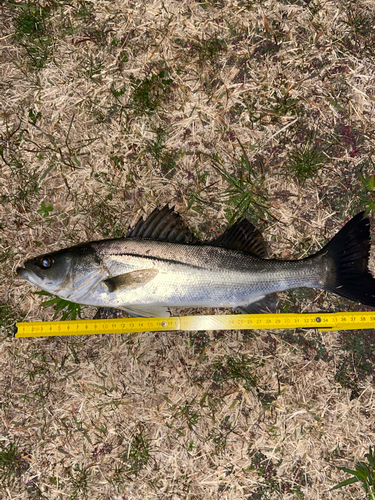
(160,264)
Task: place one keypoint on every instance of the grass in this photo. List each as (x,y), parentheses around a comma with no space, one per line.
(246,188)
(139,453)
(70,310)
(363,473)
(305,162)
(357,361)
(8,316)
(267,470)
(33,31)
(150,92)
(368,185)
(262,110)
(12,464)
(79,476)
(360,27)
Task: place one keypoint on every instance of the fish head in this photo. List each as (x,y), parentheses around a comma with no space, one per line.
(48,271)
(66,273)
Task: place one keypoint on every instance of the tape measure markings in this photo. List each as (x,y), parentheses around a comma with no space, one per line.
(321,321)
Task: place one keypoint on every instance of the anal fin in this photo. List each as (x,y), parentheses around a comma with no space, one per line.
(266,304)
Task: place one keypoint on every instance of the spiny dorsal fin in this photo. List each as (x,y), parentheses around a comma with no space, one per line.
(164,225)
(242,236)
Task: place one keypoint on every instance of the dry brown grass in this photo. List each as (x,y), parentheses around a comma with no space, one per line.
(110,108)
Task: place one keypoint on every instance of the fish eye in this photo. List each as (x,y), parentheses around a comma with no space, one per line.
(46,262)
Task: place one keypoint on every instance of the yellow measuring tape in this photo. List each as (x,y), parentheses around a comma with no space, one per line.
(321,321)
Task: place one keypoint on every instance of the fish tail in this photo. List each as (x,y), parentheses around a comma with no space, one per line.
(347,257)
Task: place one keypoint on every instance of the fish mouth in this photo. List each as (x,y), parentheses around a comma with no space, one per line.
(34,279)
(22,272)
(28,275)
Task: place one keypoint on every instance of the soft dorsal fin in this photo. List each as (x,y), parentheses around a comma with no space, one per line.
(242,236)
(164,225)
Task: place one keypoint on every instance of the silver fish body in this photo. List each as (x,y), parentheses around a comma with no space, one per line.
(145,276)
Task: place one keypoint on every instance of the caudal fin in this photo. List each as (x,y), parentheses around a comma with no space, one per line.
(348,254)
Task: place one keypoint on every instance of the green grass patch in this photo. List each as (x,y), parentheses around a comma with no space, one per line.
(149,93)
(367,180)
(162,157)
(359,37)
(12,464)
(305,162)
(79,478)
(69,310)
(246,189)
(136,458)
(33,31)
(204,50)
(273,485)
(364,473)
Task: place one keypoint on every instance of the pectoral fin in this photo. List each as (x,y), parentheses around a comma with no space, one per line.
(130,280)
